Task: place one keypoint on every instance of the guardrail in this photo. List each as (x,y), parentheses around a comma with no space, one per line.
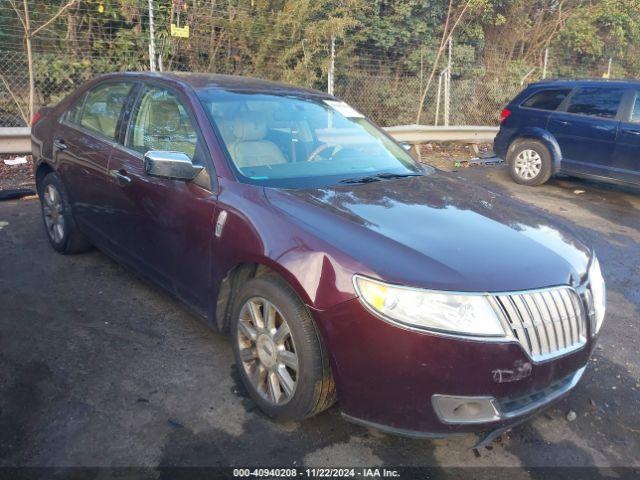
(15,140)
(417,134)
(18,140)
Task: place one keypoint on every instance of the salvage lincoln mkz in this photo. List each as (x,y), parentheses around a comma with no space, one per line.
(341,267)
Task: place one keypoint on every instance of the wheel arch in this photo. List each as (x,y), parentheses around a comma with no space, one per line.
(232,282)
(544,137)
(42,171)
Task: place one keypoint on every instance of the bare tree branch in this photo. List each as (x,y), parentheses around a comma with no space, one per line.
(17,10)
(24,116)
(446,36)
(52,19)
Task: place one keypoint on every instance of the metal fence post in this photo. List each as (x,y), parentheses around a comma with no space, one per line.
(152,40)
(332,66)
(447,85)
(544,66)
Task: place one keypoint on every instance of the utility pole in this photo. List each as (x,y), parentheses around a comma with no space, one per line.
(609,68)
(332,66)
(152,40)
(544,65)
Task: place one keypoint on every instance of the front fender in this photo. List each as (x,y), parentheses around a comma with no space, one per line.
(257,234)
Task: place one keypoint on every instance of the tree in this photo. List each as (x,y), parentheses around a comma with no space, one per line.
(29,34)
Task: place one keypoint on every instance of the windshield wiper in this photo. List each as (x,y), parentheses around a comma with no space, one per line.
(379,176)
(368,179)
(396,175)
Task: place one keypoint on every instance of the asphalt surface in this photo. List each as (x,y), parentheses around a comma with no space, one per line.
(97,368)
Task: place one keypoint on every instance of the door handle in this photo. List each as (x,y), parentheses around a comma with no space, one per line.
(120,177)
(561,122)
(59,144)
(631,132)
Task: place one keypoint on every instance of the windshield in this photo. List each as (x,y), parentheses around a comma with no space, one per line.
(300,141)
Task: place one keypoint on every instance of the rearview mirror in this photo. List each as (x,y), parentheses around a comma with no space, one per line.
(175,165)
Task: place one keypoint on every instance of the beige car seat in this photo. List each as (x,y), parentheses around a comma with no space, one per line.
(250,149)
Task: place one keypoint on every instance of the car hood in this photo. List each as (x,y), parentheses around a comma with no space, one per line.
(438,231)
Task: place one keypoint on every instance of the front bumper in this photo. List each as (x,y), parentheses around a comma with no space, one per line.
(387,376)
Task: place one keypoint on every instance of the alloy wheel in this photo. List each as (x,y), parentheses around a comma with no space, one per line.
(53,210)
(267,350)
(528,164)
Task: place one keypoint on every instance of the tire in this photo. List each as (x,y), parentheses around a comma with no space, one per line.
(264,353)
(529,162)
(59,224)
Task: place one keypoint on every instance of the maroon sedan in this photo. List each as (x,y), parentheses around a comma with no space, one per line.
(341,268)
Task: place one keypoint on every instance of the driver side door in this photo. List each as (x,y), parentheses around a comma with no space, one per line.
(166,228)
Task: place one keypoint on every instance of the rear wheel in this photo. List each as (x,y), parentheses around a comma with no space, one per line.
(56,214)
(529,162)
(278,350)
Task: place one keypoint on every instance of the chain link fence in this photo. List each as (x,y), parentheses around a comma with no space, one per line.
(465,89)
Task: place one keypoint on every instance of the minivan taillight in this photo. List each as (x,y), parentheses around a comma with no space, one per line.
(504,114)
(35,118)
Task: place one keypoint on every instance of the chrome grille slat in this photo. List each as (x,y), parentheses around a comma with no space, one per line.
(525,317)
(563,315)
(514,321)
(555,318)
(576,315)
(558,318)
(547,323)
(566,301)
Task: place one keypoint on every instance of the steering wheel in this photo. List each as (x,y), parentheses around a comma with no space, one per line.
(321,148)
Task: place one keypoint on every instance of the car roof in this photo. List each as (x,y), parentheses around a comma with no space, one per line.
(585,82)
(234,83)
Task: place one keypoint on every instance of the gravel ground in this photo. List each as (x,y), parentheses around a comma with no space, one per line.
(98,368)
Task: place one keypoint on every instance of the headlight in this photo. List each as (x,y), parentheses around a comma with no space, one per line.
(598,294)
(440,311)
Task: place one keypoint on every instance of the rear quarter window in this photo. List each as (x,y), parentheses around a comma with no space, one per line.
(549,99)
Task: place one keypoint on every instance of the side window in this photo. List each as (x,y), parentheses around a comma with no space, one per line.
(161,122)
(635,110)
(101,109)
(547,99)
(73,114)
(596,101)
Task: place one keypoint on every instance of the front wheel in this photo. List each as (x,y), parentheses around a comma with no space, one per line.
(278,350)
(529,163)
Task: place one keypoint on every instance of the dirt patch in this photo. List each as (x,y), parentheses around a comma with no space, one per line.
(446,156)
(16,176)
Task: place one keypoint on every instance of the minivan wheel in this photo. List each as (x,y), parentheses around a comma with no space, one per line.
(278,351)
(56,214)
(529,163)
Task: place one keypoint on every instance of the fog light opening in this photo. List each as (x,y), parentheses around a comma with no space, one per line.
(454,410)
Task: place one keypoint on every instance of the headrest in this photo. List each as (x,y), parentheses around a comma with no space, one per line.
(164,116)
(250,127)
(114,102)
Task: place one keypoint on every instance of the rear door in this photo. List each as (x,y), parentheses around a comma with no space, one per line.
(625,165)
(82,145)
(586,127)
(165,226)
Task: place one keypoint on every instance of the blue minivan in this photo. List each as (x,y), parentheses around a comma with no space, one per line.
(585,128)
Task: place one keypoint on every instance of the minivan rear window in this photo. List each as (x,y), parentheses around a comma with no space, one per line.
(596,101)
(547,99)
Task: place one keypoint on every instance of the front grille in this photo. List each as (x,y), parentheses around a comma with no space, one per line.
(547,323)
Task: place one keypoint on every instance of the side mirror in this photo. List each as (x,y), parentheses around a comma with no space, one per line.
(174,165)
(406,145)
